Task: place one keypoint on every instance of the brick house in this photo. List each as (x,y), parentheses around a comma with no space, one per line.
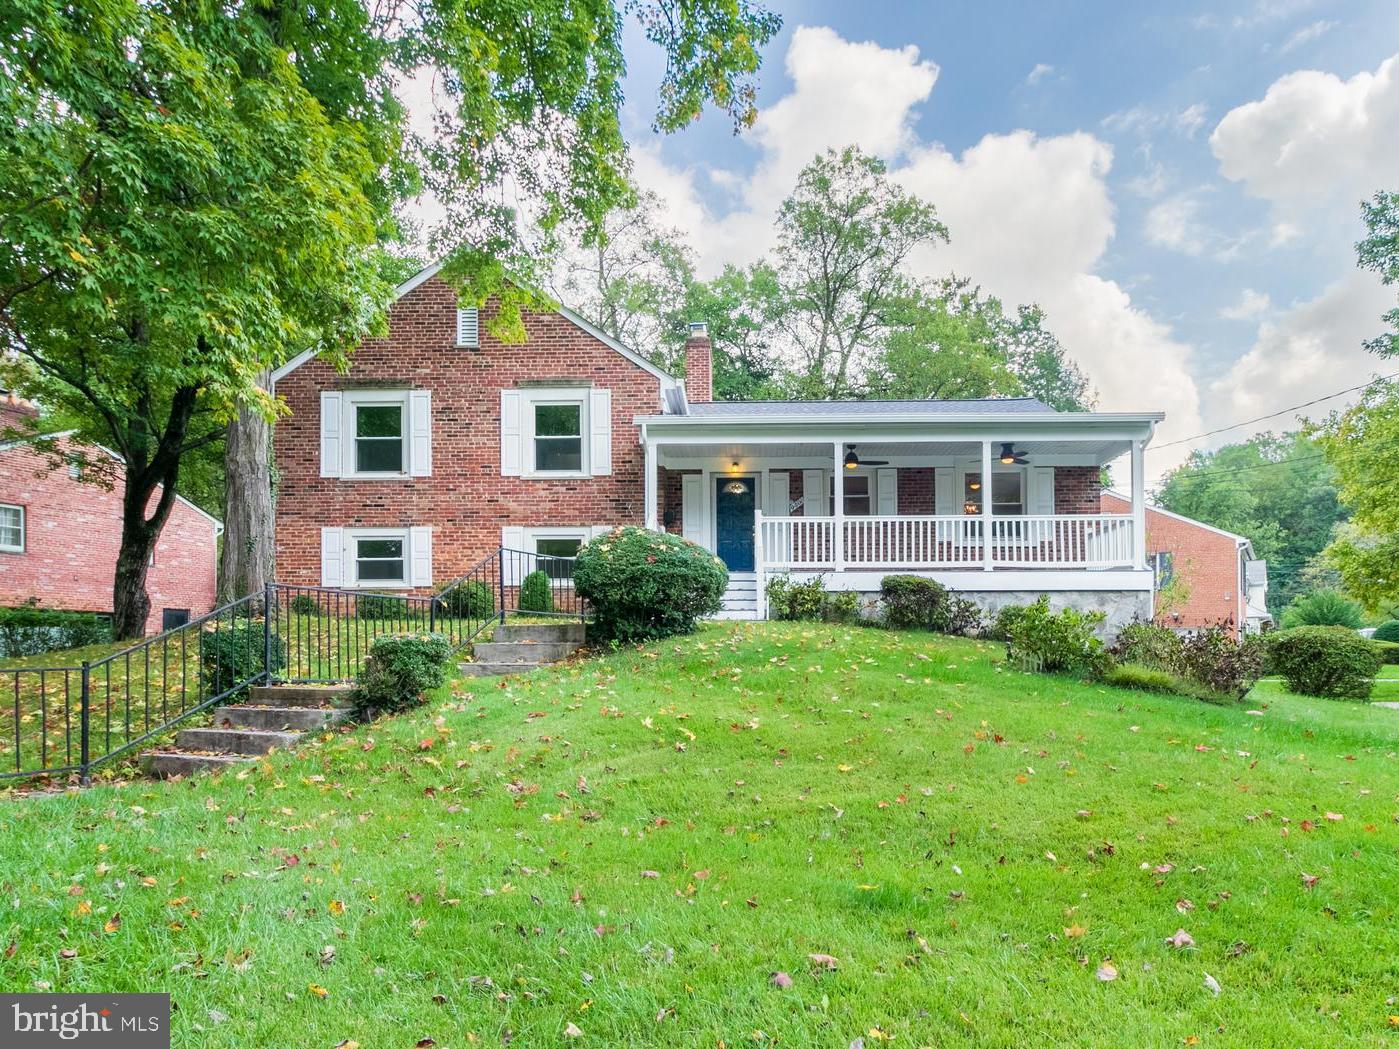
(1221,579)
(441,444)
(59,535)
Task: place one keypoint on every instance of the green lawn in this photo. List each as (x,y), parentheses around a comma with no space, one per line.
(633,845)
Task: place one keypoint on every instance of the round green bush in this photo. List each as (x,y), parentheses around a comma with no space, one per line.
(381,606)
(468,599)
(1388,631)
(397,671)
(305,605)
(1322,608)
(536,595)
(643,584)
(1327,661)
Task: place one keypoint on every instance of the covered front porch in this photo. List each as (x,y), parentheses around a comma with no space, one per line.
(1004,505)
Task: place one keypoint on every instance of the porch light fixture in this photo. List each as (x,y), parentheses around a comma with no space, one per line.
(851,459)
(1010,457)
(735,488)
(975,486)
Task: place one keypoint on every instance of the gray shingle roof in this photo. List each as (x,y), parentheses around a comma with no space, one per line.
(988,405)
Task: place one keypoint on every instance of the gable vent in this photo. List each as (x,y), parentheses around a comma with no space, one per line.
(469,327)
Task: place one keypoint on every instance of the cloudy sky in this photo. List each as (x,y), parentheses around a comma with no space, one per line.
(1178,189)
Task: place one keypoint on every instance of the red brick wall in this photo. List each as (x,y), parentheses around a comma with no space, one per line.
(699,369)
(1207,561)
(73,532)
(1077,489)
(465,501)
(916,491)
(670,496)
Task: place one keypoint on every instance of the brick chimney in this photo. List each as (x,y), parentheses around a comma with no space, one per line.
(699,364)
(16,415)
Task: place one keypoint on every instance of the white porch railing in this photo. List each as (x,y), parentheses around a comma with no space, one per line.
(1047,541)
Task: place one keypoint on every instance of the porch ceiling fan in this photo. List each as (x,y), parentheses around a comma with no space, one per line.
(852,460)
(1010,456)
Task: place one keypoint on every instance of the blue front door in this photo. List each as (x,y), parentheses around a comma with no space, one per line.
(733,522)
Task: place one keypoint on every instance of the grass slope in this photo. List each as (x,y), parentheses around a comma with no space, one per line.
(633,845)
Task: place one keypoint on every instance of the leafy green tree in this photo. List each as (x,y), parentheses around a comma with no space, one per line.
(1322,608)
(844,237)
(1275,489)
(738,305)
(935,350)
(194,193)
(1379,252)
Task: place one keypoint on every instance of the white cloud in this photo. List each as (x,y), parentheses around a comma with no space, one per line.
(1251,304)
(1041,70)
(1307,34)
(1314,142)
(1174,223)
(1191,119)
(1311,349)
(1030,217)
(1140,120)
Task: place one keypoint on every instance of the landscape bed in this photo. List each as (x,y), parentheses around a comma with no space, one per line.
(631,847)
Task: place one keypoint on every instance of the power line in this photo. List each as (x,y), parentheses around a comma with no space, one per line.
(1274,415)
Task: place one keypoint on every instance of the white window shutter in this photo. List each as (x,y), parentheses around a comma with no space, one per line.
(332,421)
(944,499)
(777,495)
(600,432)
(692,507)
(420,556)
(887,488)
(468,327)
(1041,497)
(420,433)
(816,500)
(332,557)
(512,436)
(512,538)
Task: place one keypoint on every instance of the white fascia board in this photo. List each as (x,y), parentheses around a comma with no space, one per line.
(1087,420)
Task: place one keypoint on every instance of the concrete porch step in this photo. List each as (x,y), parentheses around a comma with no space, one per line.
(524,651)
(553,633)
(302,719)
(299,695)
(166,764)
(235,740)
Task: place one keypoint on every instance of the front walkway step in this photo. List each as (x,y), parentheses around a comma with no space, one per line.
(234,740)
(524,651)
(480,669)
(299,695)
(541,632)
(303,719)
(168,763)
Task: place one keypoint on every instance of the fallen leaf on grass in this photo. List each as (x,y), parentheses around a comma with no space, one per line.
(780,979)
(1107,972)
(1211,984)
(1180,940)
(823,961)
(336,907)
(113,923)
(317,990)
(1309,880)
(1073,932)
(571,1030)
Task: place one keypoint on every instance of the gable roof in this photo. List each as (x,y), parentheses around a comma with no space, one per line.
(428,272)
(27,439)
(1240,540)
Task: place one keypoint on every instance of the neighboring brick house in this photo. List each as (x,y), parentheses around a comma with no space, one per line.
(1216,571)
(441,444)
(59,535)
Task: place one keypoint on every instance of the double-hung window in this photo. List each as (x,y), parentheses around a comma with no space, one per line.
(556,555)
(1007,493)
(11,528)
(380,560)
(558,437)
(379,436)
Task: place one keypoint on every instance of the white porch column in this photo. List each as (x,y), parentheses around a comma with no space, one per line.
(1138,505)
(838,491)
(986,554)
(648,486)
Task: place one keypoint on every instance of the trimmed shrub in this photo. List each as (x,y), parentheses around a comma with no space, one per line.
(305,605)
(1225,668)
(1388,650)
(1056,641)
(913,602)
(470,599)
(30,630)
(397,671)
(381,606)
(1322,608)
(230,656)
(643,584)
(1388,631)
(1148,644)
(810,601)
(536,595)
(1332,662)
(1142,678)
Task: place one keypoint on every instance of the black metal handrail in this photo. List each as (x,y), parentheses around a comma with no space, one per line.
(291,633)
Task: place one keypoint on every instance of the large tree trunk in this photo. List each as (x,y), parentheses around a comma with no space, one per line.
(245,565)
(131,605)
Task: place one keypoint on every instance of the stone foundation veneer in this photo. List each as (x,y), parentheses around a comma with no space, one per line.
(1120,607)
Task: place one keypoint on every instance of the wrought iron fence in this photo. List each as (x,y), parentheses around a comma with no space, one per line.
(71,719)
